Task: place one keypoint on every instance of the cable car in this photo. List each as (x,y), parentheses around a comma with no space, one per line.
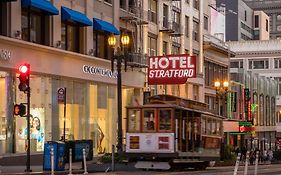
(170,131)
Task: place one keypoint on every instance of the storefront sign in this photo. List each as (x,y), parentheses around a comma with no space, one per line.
(5,54)
(172,69)
(99,71)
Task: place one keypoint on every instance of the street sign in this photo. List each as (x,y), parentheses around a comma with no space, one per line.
(61,95)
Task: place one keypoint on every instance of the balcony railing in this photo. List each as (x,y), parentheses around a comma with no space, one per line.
(137,60)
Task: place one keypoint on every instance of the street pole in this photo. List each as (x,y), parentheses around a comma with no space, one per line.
(119,101)
(64,114)
(28,132)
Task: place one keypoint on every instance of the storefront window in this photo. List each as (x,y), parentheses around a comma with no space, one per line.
(3,99)
(165,119)
(40,119)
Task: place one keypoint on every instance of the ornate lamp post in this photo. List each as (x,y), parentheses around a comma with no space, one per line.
(119,57)
(221,93)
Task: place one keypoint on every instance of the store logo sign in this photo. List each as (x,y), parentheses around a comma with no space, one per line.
(171,69)
(99,71)
(5,54)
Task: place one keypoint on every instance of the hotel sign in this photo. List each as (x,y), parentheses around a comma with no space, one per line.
(5,54)
(99,71)
(171,69)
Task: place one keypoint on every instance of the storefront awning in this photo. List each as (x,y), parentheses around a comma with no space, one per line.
(75,16)
(43,5)
(105,26)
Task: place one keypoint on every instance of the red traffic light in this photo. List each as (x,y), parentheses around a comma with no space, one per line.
(24,71)
(24,68)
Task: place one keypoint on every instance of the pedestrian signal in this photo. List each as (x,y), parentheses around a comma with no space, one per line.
(20,109)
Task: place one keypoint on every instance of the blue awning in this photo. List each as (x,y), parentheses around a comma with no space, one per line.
(68,14)
(105,26)
(43,5)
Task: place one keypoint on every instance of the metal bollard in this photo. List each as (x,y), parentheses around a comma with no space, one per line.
(52,161)
(70,162)
(256,163)
(237,164)
(112,157)
(85,163)
(246,163)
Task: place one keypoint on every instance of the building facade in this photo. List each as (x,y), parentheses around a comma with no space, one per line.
(242,22)
(261,57)
(272,9)
(65,43)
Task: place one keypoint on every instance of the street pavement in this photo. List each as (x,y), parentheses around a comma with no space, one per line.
(128,169)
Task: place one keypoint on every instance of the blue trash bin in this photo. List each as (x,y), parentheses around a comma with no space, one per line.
(59,151)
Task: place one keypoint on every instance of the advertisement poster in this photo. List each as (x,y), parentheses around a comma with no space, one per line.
(37,125)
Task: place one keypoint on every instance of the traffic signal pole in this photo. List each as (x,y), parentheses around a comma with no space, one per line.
(28,132)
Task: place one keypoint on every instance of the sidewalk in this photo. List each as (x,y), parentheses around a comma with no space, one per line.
(92,167)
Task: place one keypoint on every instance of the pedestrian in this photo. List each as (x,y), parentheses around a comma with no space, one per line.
(270,155)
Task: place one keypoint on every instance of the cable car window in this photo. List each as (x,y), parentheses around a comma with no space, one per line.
(203,123)
(165,119)
(209,126)
(134,120)
(148,120)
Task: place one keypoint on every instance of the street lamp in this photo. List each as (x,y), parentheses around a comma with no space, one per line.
(221,93)
(119,57)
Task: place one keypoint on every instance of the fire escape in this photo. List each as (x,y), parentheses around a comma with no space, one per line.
(135,16)
(171,19)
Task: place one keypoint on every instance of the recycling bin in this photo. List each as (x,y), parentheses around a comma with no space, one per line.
(59,152)
(78,147)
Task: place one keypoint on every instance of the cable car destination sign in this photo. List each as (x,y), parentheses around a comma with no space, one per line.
(171,69)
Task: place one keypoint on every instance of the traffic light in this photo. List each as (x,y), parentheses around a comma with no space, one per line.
(24,71)
(19,109)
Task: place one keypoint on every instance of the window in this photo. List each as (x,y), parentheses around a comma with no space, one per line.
(175,48)
(101,48)
(152,11)
(108,1)
(277,63)
(214,70)
(71,37)
(195,30)
(206,23)
(258,64)
(236,64)
(3,18)
(186,26)
(123,4)
(196,4)
(134,120)
(165,16)
(149,120)
(245,15)
(176,21)
(165,48)
(266,25)
(34,27)
(210,101)
(261,106)
(256,21)
(165,120)
(152,46)
(195,92)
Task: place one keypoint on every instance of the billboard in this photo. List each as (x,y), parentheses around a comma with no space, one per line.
(171,69)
